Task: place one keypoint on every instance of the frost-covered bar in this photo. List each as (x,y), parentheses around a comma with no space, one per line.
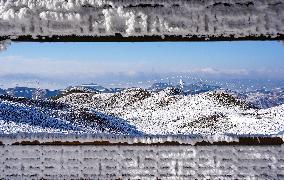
(52,156)
(99,139)
(141,20)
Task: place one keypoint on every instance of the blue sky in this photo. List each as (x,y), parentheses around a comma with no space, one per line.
(98,61)
(248,54)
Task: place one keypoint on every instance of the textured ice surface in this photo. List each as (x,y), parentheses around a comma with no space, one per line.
(43,137)
(212,18)
(141,162)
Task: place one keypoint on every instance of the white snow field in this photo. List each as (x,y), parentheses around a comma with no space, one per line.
(140,112)
(212,18)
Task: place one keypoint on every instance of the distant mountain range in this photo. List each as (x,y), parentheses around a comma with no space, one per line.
(91,87)
(195,88)
(137,111)
(156,87)
(29,92)
(2,91)
(94,88)
(167,111)
(265,98)
(199,88)
(261,98)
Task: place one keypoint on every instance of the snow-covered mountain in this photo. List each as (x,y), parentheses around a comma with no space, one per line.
(156,87)
(168,112)
(30,92)
(197,88)
(92,87)
(266,98)
(194,88)
(262,98)
(138,111)
(2,91)
(26,115)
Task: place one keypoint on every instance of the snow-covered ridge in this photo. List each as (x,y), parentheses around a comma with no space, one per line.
(137,112)
(167,112)
(211,18)
(23,115)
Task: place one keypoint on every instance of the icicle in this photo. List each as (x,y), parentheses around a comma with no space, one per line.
(4,44)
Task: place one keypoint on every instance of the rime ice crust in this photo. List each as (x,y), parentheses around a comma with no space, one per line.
(141,17)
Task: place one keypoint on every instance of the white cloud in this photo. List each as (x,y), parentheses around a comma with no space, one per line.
(206,70)
(65,68)
(51,67)
(215,71)
(65,72)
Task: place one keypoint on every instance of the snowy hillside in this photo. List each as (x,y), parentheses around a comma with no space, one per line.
(30,93)
(261,98)
(23,115)
(167,112)
(138,111)
(2,91)
(266,99)
(160,86)
(195,88)
(88,88)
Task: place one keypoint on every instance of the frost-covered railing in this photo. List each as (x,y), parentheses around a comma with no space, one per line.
(90,156)
(106,156)
(109,139)
(141,20)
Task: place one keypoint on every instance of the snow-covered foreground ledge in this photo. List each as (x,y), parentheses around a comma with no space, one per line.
(113,140)
(97,20)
